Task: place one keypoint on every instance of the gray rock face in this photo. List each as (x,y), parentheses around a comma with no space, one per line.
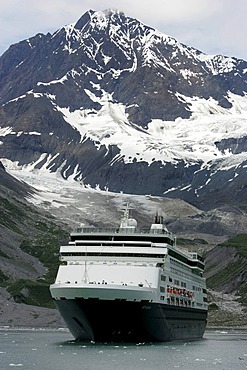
(10,183)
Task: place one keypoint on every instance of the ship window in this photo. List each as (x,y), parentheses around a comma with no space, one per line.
(195,263)
(106,254)
(170,279)
(162,289)
(197,289)
(163,277)
(176,282)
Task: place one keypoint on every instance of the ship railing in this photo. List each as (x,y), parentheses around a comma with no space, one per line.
(106,230)
(96,230)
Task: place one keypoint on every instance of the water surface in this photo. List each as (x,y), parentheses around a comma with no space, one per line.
(46,349)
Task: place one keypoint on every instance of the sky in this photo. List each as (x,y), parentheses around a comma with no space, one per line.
(212,26)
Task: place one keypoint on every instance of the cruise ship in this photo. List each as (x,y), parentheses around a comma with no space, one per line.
(130,285)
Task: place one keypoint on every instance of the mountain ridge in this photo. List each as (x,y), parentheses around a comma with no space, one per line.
(107,100)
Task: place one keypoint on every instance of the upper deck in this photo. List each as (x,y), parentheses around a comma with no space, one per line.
(129,241)
(123,235)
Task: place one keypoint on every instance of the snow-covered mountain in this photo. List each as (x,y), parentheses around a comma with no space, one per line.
(117,105)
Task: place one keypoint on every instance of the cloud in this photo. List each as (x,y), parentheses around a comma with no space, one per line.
(176,10)
(213,26)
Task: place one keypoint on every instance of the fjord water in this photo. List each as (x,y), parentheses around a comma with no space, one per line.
(55,349)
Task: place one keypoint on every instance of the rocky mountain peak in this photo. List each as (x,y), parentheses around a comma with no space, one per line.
(100,19)
(116,104)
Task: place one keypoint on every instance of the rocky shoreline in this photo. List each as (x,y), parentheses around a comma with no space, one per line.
(229,314)
(226,311)
(18,314)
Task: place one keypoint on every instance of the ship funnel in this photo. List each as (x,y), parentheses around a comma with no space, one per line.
(158,227)
(158,219)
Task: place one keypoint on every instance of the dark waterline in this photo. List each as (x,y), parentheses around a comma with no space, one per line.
(55,349)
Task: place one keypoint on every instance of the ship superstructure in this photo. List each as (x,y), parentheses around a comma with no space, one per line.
(127,284)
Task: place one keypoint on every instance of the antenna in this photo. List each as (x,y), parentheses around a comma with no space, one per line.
(128,224)
(126,212)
